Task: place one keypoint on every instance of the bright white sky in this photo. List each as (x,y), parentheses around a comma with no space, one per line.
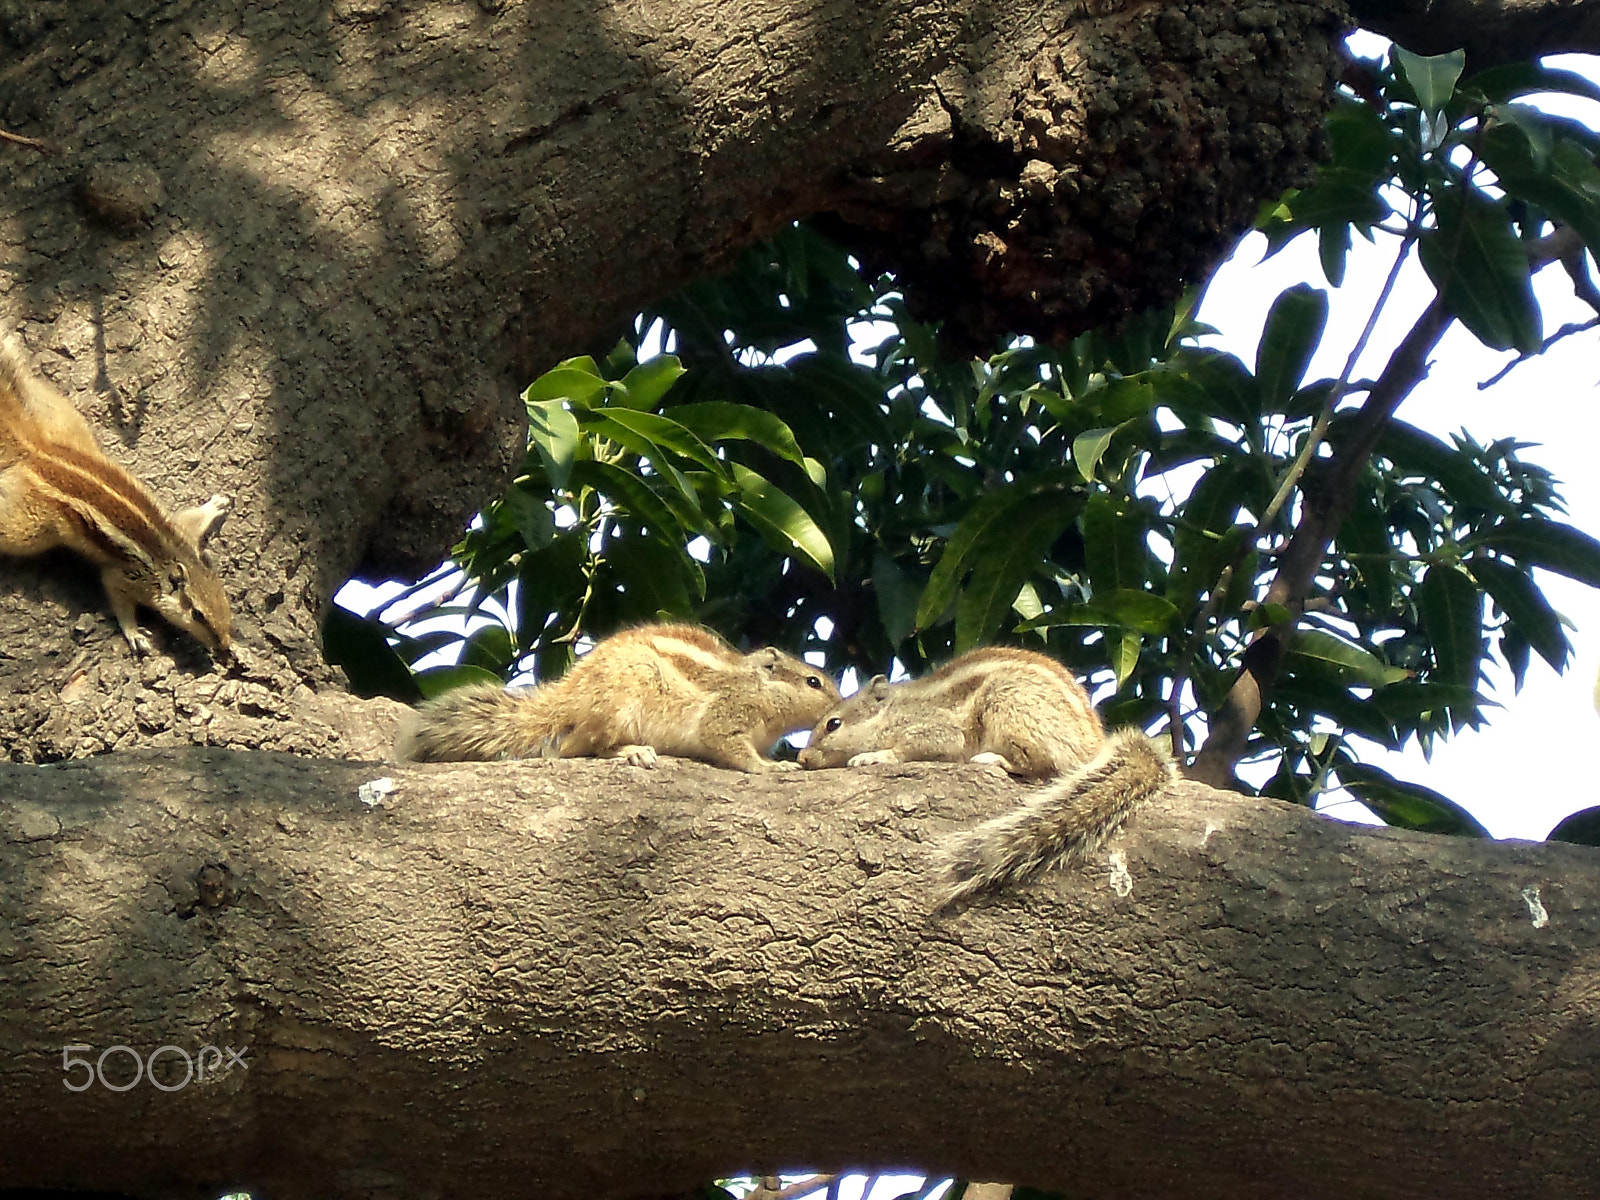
(1526,769)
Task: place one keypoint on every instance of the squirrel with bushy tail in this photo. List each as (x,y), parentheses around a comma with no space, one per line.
(1021,711)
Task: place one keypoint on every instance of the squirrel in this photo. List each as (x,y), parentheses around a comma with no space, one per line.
(653,689)
(58,488)
(1021,711)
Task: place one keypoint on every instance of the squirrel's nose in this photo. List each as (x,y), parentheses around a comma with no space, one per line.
(807,757)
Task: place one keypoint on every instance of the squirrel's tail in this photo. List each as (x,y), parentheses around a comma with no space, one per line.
(1062,823)
(478,723)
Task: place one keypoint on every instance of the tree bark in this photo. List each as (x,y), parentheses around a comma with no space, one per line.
(579,979)
(307,252)
(1491,31)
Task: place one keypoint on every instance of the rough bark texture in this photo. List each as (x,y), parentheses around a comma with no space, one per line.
(306,253)
(580,979)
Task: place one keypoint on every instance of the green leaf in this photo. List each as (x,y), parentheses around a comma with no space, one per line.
(783,524)
(1322,652)
(1125,654)
(553,432)
(629,493)
(1505,82)
(897,596)
(1452,615)
(986,523)
(1000,568)
(1537,542)
(1125,608)
(1339,197)
(440,680)
(1114,546)
(716,421)
(1480,267)
(1564,182)
(1407,805)
(1524,606)
(660,579)
(1582,828)
(360,645)
(1417,452)
(643,386)
(1432,79)
(1293,330)
(576,379)
(1087,448)
(659,431)
(531,516)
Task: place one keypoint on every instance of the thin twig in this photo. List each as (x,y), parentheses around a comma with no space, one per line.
(32,143)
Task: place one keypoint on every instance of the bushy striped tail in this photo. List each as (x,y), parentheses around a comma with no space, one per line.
(478,723)
(1062,823)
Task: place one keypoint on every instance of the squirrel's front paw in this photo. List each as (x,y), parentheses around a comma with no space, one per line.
(990,759)
(782,764)
(868,757)
(638,756)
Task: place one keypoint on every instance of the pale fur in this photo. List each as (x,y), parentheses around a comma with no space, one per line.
(1027,713)
(667,689)
(58,488)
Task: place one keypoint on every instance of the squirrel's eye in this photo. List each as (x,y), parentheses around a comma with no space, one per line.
(814,681)
(833,724)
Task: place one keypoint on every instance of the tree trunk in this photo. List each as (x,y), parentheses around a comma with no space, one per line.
(592,980)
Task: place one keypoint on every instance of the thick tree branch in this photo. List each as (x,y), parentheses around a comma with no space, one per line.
(1492,31)
(570,978)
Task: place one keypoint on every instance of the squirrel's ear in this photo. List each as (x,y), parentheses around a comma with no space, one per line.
(878,687)
(769,659)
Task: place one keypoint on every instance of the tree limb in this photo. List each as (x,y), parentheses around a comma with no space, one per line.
(567,978)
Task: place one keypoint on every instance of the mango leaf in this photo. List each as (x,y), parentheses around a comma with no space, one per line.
(660,579)
(1564,181)
(1293,330)
(1534,541)
(360,645)
(531,516)
(1002,567)
(1323,652)
(1087,448)
(643,386)
(1114,546)
(1407,805)
(440,680)
(717,420)
(897,598)
(1452,614)
(1480,267)
(783,524)
(1339,197)
(1582,828)
(576,379)
(675,522)
(1125,654)
(1505,82)
(1524,606)
(663,432)
(985,524)
(1420,453)
(553,432)
(1432,79)
(1124,608)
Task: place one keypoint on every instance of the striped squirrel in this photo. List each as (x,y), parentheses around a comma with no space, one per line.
(655,689)
(1021,711)
(58,488)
